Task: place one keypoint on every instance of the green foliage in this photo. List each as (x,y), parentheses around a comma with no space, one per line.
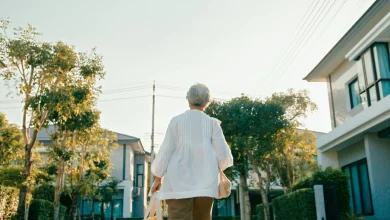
(296,104)
(250,127)
(293,158)
(299,205)
(353,217)
(254,217)
(11,176)
(45,192)
(333,177)
(260,212)
(8,201)
(57,85)
(43,210)
(10,141)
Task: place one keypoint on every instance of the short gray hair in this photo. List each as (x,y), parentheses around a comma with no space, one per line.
(199,95)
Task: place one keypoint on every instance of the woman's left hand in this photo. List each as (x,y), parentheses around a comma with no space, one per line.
(157,185)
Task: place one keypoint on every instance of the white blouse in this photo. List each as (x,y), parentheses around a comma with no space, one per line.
(188,160)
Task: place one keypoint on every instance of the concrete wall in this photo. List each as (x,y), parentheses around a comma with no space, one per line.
(339,80)
(352,154)
(328,159)
(127,187)
(117,162)
(378,162)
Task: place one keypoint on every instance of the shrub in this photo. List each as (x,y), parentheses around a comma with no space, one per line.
(9,197)
(299,205)
(331,177)
(45,192)
(11,176)
(260,211)
(254,217)
(43,210)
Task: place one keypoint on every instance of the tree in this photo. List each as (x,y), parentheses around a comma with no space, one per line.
(250,127)
(293,158)
(296,104)
(90,166)
(41,72)
(241,166)
(10,141)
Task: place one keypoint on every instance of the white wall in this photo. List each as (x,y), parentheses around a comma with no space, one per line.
(378,161)
(352,154)
(328,159)
(340,79)
(117,162)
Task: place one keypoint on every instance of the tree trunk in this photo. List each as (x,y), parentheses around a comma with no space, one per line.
(58,189)
(245,205)
(264,198)
(22,204)
(264,185)
(73,209)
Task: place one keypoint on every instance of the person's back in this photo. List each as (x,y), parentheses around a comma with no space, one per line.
(193,150)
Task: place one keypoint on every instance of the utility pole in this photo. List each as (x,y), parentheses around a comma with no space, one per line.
(152,136)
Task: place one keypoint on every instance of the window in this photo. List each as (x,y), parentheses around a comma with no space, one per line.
(373,76)
(114,208)
(359,188)
(220,207)
(140,176)
(354,93)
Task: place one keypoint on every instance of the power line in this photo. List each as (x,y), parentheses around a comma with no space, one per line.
(185,89)
(132,97)
(299,28)
(125,89)
(279,75)
(178,97)
(307,30)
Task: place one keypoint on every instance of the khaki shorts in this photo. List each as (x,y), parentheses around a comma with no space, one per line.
(198,208)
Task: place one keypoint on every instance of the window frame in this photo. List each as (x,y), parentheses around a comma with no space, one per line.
(137,184)
(377,78)
(354,80)
(357,164)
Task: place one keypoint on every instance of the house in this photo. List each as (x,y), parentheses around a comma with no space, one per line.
(357,73)
(231,206)
(130,167)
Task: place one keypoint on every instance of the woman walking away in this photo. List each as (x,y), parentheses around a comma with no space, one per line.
(187,166)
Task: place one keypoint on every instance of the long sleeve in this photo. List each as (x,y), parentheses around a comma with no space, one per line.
(160,163)
(221,148)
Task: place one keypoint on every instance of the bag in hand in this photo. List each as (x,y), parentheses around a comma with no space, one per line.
(224,186)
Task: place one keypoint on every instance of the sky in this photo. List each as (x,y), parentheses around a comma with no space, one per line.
(255,47)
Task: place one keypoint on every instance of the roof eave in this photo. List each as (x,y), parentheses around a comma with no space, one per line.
(319,73)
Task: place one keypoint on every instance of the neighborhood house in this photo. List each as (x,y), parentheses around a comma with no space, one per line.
(130,167)
(357,73)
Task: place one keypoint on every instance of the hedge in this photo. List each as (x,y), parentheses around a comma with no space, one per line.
(43,210)
(334,177)
(9,198)
(299,205)
(260,212)
(45,192)
(254,217)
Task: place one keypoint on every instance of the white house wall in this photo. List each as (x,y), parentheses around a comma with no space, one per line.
(117,162)
(339,80)
(352,154)
(378,160)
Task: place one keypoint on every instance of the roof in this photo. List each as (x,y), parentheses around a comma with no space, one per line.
(318,134)
(121,138)
(336,56)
